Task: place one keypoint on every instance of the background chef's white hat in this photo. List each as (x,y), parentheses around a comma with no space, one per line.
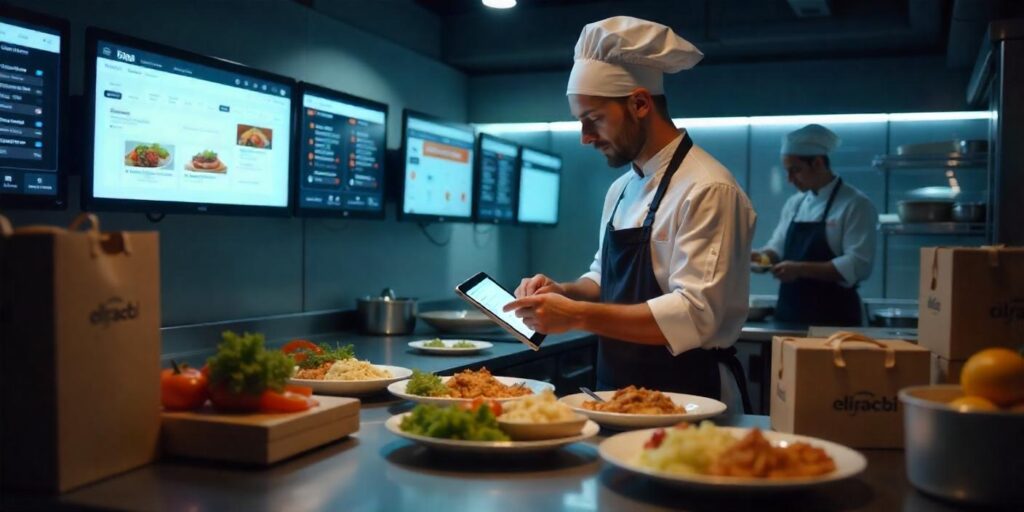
(616,55)
(811,140)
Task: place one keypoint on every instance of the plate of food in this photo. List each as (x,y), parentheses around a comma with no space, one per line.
(254,137)
(760,264)
(336,371)
(206,161)
(633,407)
(459,321)
(464,387)
(148,155)
(450,347)
(474,428)
(709,457)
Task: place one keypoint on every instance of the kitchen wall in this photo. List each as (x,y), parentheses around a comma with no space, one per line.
(221,268)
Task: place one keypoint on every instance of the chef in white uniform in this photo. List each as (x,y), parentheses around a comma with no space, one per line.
(667,291)
(824,245)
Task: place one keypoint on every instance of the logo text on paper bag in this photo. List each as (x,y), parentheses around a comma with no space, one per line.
(865,401)
(115,309)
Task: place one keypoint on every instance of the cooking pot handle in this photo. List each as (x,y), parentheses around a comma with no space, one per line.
(836,342)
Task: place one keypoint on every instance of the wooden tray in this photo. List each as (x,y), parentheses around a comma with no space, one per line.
(258,438)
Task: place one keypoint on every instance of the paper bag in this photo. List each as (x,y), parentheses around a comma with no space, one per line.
(844,388)
(80,355)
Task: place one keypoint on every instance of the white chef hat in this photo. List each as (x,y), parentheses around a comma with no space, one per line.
(811,140)
(616,55)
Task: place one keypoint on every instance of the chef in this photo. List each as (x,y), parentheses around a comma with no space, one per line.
(667,291)
(824,245)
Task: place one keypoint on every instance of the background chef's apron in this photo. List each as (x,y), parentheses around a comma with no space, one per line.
(812,301)
(627,277)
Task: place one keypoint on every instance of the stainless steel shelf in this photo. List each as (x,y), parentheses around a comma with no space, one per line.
(938,161)
(934,228)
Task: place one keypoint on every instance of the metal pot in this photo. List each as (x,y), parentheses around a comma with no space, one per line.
(969,212)
(894,317)
(925,211)
(972,457)
(387,314)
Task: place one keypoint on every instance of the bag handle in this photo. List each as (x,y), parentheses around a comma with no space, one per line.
(98,237)
(94,223)
(6,230)
(836,342)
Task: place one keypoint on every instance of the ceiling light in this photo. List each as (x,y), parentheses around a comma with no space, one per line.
(499,4)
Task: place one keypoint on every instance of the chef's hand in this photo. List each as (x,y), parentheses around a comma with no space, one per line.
(539,283)
(548,313)
(787,271)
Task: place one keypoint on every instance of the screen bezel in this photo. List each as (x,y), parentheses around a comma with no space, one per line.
(419,217)
(478,172)
(301,89)
(558,218)
(534,342)
(92,37)
(58,201)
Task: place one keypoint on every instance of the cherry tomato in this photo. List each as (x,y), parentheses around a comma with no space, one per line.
(479,401)
(272,401)
(299,350)
(182,388)
(656,439)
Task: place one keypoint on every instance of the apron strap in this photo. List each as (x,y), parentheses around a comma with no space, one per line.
(727,356)
(831,198)
(677,159)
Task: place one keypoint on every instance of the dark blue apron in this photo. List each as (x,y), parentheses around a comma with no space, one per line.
(812,301)
(627,277)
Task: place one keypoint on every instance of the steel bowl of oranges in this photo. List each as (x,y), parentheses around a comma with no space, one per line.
(966,442)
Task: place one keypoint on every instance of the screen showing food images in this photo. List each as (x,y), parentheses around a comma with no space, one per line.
(341,154)
(438,169)
(540,176)
(497,180)
(171,130)
(30,101)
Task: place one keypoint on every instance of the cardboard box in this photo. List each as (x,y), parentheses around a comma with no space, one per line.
(80,365)
(945,371)
(970,299)
(844,389)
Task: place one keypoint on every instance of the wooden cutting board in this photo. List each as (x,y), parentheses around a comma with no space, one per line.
(257,438)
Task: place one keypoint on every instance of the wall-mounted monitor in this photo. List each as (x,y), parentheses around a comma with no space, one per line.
(495,197)
(341,151)
(437,181)
(540,176)
(33,104)
(173,131)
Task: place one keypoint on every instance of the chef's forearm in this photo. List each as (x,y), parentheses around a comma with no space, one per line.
(583,289)
(820,270)
(634,322)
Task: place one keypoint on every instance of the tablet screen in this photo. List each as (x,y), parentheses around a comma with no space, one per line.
(493,297)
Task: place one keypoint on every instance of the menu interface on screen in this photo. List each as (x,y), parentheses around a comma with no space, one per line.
(497,186)
(438,169)
(342,155)
(539,180)
(493,297)
(30,93)
(171,130)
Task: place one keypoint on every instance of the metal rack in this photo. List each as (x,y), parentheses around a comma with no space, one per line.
(934,228)
(939,161)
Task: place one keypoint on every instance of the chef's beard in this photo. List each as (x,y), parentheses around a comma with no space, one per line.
(627,146)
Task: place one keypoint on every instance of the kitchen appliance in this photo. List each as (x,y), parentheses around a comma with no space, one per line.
(893,317)
(946,147)
(925,210)
(962,456)
(969,212)
(387,314)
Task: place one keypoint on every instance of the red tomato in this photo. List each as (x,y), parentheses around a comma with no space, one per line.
(299,350)
(479,401)
(272,401)
(182,388)
(226,400)
(302,390)
(656,439)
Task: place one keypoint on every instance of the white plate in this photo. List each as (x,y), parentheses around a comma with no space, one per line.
(460,321)
(448,348)
(622,449)
(697,408)
(355,387)
(398,389)
(590,429)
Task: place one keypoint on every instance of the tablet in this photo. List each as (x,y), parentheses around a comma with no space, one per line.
(489,296)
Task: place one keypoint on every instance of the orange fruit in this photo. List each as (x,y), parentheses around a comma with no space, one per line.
(972,404)
(996,374)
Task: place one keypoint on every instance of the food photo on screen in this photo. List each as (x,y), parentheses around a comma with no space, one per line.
(255,136)
(206,161)
(151,155)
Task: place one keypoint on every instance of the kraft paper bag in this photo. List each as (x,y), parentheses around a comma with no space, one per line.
(79,354)
(844,388)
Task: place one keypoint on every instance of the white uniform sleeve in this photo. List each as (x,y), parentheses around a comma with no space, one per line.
(859,239)
(777,243)
(709,282)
